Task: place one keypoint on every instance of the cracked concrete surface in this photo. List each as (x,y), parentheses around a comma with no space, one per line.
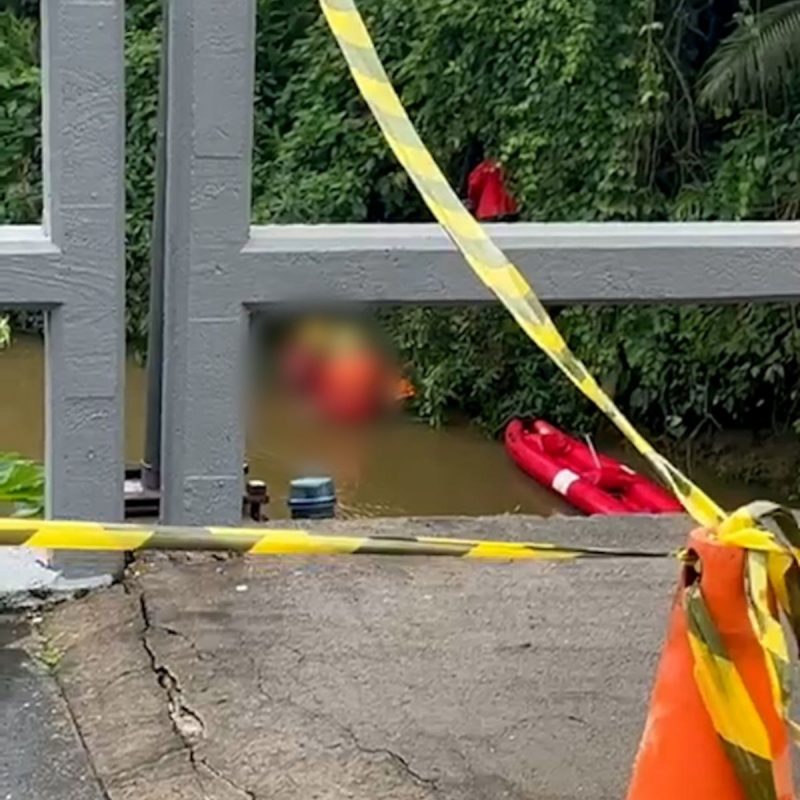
(206,678)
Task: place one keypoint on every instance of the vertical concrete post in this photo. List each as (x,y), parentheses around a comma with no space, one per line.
(83,96)
(211,60)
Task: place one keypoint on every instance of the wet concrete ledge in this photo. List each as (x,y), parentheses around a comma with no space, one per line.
(225,678)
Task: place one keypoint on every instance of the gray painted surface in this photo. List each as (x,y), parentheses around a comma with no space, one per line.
(218,268)
(565,262)
(211,54)
(73,266)
(29,268)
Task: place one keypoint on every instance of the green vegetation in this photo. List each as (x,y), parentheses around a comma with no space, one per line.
(48,655)
(758,61)
(677,370)
(20,168)
(600,109)
(21,485)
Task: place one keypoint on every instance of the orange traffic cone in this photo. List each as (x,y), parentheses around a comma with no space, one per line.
(681,756)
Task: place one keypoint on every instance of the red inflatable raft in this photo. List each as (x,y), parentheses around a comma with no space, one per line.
(593,483)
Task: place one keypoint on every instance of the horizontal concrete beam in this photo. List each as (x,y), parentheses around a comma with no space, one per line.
(16,239)
(28,268)
(566,262)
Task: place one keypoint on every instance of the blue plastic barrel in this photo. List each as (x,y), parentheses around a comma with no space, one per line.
(312,498)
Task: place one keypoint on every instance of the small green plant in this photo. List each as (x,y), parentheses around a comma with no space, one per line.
(5,333)
(21,485)
(49,655)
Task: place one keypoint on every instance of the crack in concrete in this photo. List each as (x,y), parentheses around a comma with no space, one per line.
(399,760)
(191,727)
(187,722)
(297,652)
(201,655)
(394,756)
(220,776)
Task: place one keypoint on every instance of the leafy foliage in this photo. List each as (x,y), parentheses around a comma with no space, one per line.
(557,89)
(21,484)
(754,173)
(758,60)
(20,171)
(679,370)
(142,52)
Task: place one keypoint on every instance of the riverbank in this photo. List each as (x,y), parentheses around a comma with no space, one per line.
(765,462)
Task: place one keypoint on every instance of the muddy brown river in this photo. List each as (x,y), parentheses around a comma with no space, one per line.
(400,468)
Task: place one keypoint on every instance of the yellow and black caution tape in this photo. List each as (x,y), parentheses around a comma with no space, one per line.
(61,535)
(773,564)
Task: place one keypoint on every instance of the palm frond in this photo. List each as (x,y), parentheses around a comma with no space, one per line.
(760,57)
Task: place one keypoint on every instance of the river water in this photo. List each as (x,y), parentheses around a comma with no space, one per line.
(400,468)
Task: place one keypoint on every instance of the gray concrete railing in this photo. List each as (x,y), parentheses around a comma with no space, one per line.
(72,266)
(219,268)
